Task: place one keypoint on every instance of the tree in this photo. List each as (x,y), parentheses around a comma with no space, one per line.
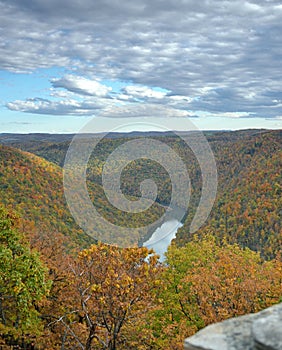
(111,291)
(205,282)
(56,252)
(23,282)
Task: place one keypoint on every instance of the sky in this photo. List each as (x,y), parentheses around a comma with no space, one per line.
(135,64)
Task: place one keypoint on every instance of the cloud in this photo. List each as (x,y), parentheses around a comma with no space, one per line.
(218,56)
(81,85)
(143,92)
(137,110)
(62,107)
(121,106)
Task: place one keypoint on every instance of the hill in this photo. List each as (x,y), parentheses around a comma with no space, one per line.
(248,205)
(33,187)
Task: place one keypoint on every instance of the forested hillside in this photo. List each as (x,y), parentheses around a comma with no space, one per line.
(248,205)
(33,187)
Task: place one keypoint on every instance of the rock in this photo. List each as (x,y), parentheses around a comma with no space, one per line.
(260,331)
(231,334)
(267,330)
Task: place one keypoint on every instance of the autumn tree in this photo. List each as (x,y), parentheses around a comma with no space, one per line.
(110,291)
(56,251)
(23,282)
(205,282)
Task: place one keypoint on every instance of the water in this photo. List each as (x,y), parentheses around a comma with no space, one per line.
(161,238)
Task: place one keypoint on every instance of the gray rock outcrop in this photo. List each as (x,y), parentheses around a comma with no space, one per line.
(260,331)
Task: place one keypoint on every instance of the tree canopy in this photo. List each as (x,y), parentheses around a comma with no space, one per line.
(23,281)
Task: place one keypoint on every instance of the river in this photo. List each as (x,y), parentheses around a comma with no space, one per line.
(162,236)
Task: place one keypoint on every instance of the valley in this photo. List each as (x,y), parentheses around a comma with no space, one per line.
(231,266)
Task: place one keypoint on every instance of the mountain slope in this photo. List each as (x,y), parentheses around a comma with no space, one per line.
(249,203)
(33,187)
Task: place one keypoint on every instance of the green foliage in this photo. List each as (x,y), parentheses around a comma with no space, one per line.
(23,282)
(205,282)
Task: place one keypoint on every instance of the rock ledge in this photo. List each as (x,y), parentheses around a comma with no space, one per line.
(260,331)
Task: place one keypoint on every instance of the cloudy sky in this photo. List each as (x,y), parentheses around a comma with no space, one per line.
(214,62)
